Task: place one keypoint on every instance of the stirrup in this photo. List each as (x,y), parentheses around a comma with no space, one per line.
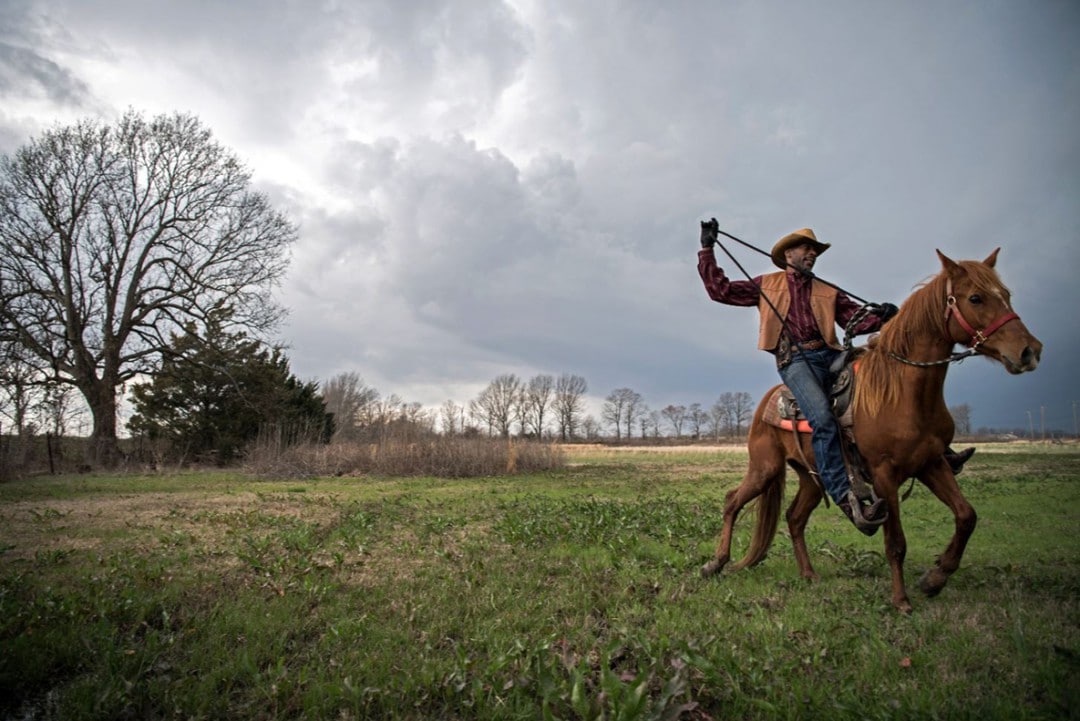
(854,511)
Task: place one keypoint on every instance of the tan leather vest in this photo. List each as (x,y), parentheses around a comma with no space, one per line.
(774,286)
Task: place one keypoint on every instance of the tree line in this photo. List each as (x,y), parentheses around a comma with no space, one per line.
(546,407)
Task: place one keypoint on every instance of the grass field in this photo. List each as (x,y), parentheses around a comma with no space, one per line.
(570,594)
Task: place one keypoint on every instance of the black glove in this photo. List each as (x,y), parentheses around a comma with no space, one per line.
(886,311)
(710,230)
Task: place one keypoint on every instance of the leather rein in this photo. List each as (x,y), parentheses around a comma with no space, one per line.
(975,337)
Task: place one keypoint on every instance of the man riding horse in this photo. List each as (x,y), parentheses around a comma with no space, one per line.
(799,315)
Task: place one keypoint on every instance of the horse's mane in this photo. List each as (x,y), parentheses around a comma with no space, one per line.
(922,313)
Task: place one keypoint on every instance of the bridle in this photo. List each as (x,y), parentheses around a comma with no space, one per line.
(975,337)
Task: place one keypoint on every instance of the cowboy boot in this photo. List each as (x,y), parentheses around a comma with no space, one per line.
(868,519)
(956,461)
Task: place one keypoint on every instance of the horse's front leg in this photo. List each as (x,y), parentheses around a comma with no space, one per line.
(940,480)
(895,548)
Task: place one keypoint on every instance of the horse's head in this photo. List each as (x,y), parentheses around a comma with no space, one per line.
(979,314)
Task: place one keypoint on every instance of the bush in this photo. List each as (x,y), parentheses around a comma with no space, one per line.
(437,456)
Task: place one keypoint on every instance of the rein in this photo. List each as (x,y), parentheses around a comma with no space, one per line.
(975,337)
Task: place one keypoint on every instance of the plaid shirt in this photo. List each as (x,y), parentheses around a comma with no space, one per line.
(800,319)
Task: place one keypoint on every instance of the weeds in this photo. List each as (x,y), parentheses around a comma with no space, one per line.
(439,456)
(568,594)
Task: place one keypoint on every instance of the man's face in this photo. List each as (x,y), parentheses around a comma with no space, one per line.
(801,257)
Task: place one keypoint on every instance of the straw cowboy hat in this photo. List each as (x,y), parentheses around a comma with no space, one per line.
(791,240)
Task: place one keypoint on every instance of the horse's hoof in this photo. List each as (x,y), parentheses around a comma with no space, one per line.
(903,606)
(710,569)
(932,582)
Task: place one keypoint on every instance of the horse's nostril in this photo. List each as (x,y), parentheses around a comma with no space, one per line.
(1027,356)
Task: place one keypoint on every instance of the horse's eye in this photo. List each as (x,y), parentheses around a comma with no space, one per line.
(975,299)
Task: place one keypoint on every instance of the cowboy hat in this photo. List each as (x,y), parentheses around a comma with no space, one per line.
(792,240)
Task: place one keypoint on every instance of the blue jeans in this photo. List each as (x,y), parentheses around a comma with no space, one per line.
(807,376)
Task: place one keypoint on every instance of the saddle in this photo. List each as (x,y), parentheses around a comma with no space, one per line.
(782,411)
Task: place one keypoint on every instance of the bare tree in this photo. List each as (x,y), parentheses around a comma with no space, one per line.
(383,412)
(742,411)
(635,407)
(19,385)
(622,408)
(452,418)
(614,409)
(962,418)
(654,423)
(697,418)
(57,408)
(568,404)
(724,411)
(349,399)
(591,427)
(676,416)
(114,237)
(495,405)
(538,399)
(717,420)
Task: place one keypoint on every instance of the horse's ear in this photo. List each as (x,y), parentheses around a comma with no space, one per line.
(991,260)
(948,264)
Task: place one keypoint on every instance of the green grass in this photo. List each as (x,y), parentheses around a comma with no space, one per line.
(572,594)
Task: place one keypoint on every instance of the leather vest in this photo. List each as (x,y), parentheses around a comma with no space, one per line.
(774,286)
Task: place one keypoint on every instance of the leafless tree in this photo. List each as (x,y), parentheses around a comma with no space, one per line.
(676,416)
(962,418)
(731,412)
(654,423)
(568,403)
(742,410)
(57,408)
(591,427)
(622,407)
(21,392)
(452,418)
(643,420)
(635,408)
(538,400)
(349,399)
(495,406)
(383,412)
(697,418)
(717,420)
(114,237)
(724,411)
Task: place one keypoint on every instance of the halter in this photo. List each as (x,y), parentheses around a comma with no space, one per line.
(976,337)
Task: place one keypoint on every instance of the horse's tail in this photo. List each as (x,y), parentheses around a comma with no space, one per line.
(766,521)
(767,454)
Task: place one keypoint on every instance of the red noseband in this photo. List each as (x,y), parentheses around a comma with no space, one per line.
(978,337)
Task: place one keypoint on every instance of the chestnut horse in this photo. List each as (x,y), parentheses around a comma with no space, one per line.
(902,425)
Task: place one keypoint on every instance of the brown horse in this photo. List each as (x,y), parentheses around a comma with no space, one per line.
(902,425)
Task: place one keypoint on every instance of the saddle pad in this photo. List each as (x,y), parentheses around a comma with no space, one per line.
(774,417)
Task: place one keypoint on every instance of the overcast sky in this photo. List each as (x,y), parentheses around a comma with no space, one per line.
(488,187)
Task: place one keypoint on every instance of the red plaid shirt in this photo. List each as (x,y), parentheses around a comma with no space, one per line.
(800,319)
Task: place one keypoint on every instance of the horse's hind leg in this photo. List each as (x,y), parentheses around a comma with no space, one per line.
(942,483)
(766,468)
(798,515)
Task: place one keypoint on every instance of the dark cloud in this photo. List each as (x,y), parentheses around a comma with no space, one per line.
(30,73)
(493,187)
